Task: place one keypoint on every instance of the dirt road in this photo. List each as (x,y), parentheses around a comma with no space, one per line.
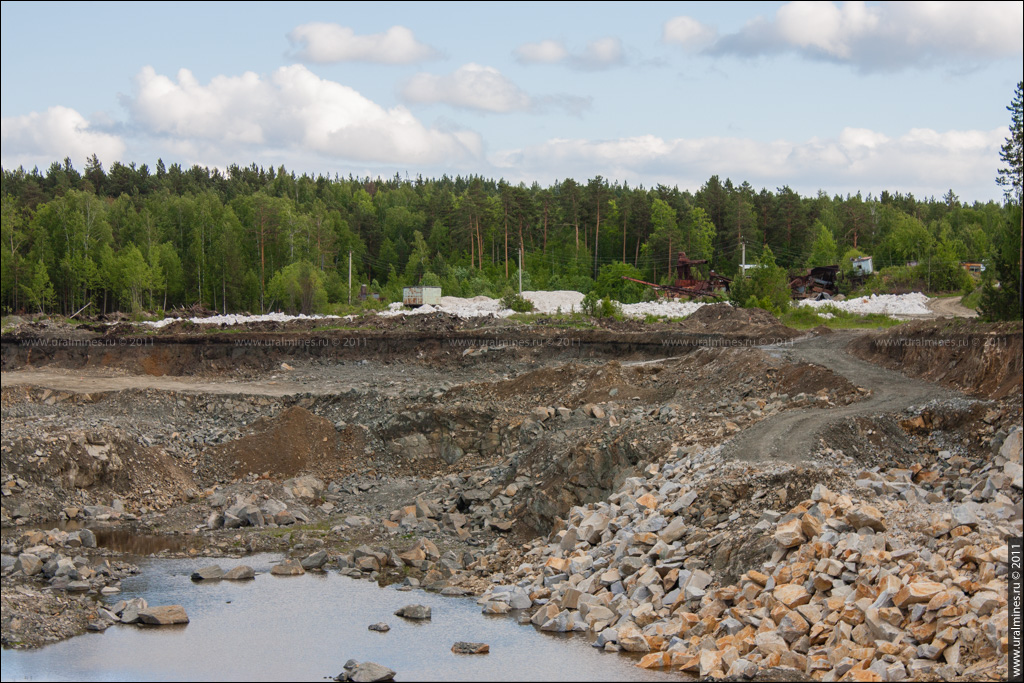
(950,307)
(792,436)
(90,384)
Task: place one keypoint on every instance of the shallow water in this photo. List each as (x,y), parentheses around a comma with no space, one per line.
(306,628)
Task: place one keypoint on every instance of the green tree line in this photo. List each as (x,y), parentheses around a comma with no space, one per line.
(253,239)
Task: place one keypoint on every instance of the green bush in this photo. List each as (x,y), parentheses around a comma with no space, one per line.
(298,288)
(766,286)
(596,307)
(516,301)
(610,283)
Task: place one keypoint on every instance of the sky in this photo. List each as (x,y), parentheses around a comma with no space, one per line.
(820,96)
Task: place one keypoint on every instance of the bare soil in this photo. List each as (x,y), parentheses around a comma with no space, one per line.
(176,426)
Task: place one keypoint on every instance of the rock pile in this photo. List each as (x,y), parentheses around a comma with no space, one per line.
(883,582)
(40,555)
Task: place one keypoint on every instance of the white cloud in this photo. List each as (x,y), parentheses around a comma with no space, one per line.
(324,43)
(692,35)
(855,160)
(544,52)
(41,138)
(884,37)
(293,110)
(603,53)
(471,86)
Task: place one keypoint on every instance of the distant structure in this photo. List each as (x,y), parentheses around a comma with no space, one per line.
(862,266)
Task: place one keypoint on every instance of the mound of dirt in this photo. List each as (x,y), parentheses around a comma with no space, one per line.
(982,359)
(805,378)
(292,442)
(726,319)
(103,465)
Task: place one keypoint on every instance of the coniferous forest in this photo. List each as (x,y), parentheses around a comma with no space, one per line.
(134,238)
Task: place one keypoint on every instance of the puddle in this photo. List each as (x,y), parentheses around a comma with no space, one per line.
(306,628)
(125,541)
(118,539)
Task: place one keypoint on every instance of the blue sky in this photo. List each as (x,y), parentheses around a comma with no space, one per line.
(840,97)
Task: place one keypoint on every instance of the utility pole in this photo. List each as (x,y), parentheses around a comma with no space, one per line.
(349,277)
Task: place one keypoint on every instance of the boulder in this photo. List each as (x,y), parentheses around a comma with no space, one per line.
(919,591)
(631,639)
(28,564)
(210,573)
(288,568)
(240,573)
(365,672)
(792,595)
(315,560)
(865,515)
(463,648)
(163,616)
(414,612)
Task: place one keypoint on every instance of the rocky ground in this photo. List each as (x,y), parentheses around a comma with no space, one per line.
(722,495)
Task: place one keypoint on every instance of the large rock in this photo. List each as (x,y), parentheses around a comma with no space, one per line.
(1013,446)
(210,573)
(631,639)
(365,672)
(493,607)
(128,612)
(240,573)
(315,560)
(879,627)
(674,531)
(790,534)
(414,612)
(287,568)
(463,648)
(792,595)
(865,515)
(919,591)
(163,616)
(770,642)
(87,537)
(28,564)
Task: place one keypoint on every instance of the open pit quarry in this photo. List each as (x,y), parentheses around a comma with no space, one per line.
(720,496)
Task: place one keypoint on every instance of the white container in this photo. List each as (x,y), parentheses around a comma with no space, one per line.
(421,296)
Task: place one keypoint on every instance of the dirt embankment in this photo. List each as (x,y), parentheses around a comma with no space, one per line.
(292,442)
(980,359)
(184,348)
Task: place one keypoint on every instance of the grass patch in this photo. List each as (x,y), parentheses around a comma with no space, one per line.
(972,300)
(806,318)
(315,529)
(652,319)
(576,321)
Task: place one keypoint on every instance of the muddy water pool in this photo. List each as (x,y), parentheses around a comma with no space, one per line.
(306,628)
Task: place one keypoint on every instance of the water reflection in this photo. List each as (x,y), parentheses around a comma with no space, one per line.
(119,538)
(124,541)
(306,628)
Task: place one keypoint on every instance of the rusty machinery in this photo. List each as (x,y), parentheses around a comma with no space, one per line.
(688,283)
(815,282)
